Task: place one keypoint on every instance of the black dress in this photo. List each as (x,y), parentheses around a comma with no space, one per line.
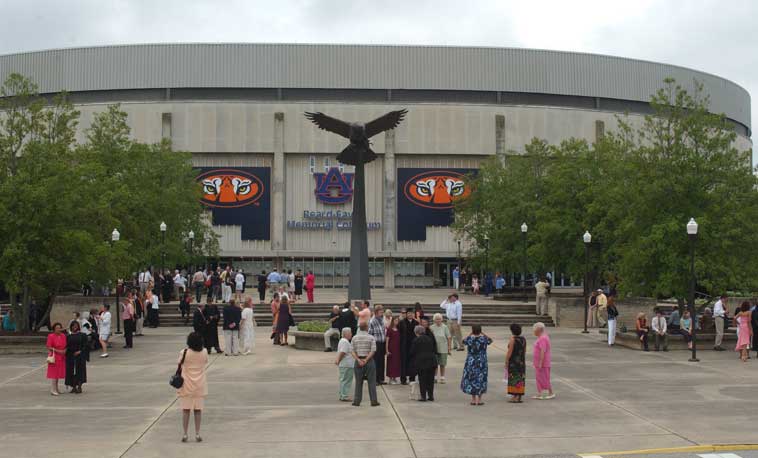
(298,284)
(407,336)
(517,367)
(210,336)
(76,365)
(754,324)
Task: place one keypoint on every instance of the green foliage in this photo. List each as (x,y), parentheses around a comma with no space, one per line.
(634,190)
(313,326)
(59,200)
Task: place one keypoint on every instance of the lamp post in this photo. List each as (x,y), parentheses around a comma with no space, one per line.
(587,238)
(692,235)
(486,255)
(460,264)
(191,237)
(115,237)
(525,228)
(163,228)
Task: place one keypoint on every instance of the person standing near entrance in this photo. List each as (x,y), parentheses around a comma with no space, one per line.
(456,278)
(454,313)
(719,315)
(542,288)
(310,285)
(377,330)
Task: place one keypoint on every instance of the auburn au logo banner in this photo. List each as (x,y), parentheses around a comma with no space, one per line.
(238,196)
(426,198)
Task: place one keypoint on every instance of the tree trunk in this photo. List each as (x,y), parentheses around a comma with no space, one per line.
(46,316)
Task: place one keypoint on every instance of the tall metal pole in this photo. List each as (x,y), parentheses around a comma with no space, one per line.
(358,284)
(115,237)
(460,265)
(163,254)
(526,262)
(586,285)
(693,316)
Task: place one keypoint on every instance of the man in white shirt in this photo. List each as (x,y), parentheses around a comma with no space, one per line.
(660,328)
(178,284)
(104,329)
(719,315)
(144,280)
(541,288)
(454,313)
(602,307)
(346,364)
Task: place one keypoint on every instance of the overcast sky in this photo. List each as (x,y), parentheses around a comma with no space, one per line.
(719,37)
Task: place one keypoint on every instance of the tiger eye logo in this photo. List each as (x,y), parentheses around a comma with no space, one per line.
(229,188)
(436,189)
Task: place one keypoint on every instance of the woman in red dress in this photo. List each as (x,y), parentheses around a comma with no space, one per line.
(56,346)
(393,351)
(310,284)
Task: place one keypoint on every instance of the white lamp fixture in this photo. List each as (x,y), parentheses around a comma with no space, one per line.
(191,235)
(692,227)
(115,235)
(163,227)
(524,227)
(587,237)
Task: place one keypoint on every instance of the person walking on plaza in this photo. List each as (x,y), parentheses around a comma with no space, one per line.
(283,321)
(456,278)
(475,369)
(198,282)
(56,357)
(642,330)
(144,278)
(719,317)
(425,362)
(299,279)
(77,355)
(592,311)
(104,329)
(515,364)
(542,288)
(211,337)
(273,281)
(364,349)
(193,361)
(660,330)
(179,284)
(454,314)
(745,331)
(127,313)
(602,304)
(310,285)
(262,278)
(239,285)
(475,284)
(335,328)
(392,343)
(407,336)
(613,314)
(378,331)
(346,364)
(231,326)
(443,340)
(185,306)
(226,284)
(542,361)
(247,327)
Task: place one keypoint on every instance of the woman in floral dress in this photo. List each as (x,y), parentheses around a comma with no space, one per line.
(515,363)
(474,381)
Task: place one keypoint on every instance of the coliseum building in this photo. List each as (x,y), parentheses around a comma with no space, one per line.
(278,196)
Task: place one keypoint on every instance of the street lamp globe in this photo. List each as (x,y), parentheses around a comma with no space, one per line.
(191,235)
(692,227)
(163,226)
(587,237)
(524,228)
(115,235)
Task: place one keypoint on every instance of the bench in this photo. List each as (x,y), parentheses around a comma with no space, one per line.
(675,340)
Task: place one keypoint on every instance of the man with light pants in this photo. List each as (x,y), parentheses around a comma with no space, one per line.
(454,314)
(334,329)
(346,364)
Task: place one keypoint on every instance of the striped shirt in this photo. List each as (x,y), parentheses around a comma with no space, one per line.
(376,329)
(363,344)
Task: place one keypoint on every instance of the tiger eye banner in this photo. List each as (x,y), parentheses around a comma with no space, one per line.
(239,196)
(425,197)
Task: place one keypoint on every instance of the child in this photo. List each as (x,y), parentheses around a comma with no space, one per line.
(542,363)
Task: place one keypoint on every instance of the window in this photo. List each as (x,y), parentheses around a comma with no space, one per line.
(342,167)
(312,164)
(326,164)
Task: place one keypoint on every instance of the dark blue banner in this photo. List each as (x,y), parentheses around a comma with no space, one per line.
(425,197)
(239,196)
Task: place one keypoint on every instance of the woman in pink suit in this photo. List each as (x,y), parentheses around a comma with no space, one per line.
(745,332)
(542,363)
(56,346)
(310,284)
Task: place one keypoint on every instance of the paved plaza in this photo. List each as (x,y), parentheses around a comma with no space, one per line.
(283,402)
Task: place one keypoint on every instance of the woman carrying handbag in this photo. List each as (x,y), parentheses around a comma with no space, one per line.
(190,381)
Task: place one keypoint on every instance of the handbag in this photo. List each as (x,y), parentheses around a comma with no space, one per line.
(51,358)
(177,380)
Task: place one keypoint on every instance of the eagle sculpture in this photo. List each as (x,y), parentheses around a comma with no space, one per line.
(359,150)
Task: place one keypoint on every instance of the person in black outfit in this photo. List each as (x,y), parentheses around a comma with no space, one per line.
(167,286)
(348,319)
(211,331)
(232,318)
(427,331)
(199,321)
(754,325)
(262,286)
(407,328)
(77,355)
(424,358)
(184,306)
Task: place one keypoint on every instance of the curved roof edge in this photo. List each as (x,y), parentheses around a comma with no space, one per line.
(335,66)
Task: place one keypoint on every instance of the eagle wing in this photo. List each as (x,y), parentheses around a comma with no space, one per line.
(325,122)
(384,122)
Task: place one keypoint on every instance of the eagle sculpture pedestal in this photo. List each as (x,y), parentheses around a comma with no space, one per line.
(358,153)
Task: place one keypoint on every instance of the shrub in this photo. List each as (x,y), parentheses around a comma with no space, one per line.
(313,326)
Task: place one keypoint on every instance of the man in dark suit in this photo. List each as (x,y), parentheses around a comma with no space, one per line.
(232,318)
(211,329)
(407,336)
(425,361)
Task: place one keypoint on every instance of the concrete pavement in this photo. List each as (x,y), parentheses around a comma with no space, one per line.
(282,402)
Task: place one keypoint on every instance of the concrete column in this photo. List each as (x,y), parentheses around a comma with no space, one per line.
(389,273)
(389,211)
(278,214)
(599,130)
(500,137)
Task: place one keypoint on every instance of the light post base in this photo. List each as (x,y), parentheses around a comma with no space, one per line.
(694,360)
(585,331)
(118,332)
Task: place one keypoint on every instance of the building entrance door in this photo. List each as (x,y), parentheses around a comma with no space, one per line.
(446,274)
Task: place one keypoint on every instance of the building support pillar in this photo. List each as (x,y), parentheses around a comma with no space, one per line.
(389,215)
(278,213)
(500,138)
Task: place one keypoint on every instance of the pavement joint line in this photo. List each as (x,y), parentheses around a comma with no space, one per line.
(176,398)
(686,449)
(400,420)
(13,379)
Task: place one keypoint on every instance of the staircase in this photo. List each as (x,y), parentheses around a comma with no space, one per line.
(497,313)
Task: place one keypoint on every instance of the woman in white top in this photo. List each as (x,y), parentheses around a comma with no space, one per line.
(291,284)
(104,329)
(247,329)
(239,285)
